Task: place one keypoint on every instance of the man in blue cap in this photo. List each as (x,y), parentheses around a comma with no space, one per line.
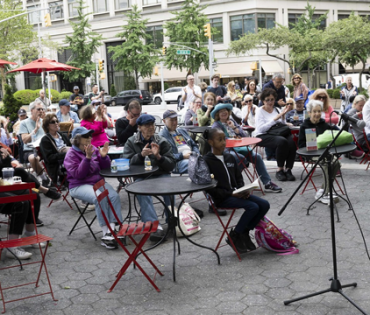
(182,144)
(147,143)
(65,114)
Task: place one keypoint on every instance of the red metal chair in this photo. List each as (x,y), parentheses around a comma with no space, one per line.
(129,230)
(366,150)
(225,227)
(36,239)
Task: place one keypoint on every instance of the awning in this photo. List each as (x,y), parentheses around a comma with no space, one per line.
(271,67)
(168,75)
(229,70)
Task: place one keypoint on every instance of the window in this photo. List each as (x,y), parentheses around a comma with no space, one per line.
(156,33)
(217,24)
(249,23)
(293,19)
(100,6)
(343,16)
(34,17)
(146,2)
(72,8)
(64,56)
(121,4)
(56,10)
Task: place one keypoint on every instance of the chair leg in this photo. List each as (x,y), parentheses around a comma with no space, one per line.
(84,219)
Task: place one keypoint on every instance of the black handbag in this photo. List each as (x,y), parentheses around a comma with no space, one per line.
(279,129)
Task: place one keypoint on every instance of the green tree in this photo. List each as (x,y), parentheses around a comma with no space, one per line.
(113,91)
(134,56)
(11,105)
(187,27)
(84,43)
(15,34)
(350,49)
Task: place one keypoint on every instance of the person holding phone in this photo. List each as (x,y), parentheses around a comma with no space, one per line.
(127,126)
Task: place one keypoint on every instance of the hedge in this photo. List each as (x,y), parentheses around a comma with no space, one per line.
(28,96)
(65,95)
(290,87)
(330,92)
(336,94)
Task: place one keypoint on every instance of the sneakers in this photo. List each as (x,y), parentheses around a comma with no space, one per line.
(19,253)
(281,176)
(52,194)
(247,241)
(43,245)
(46,182)
(271,187)
(109,245)
(220,212)
(238,241)
(356,154)
(289,176)
(39,222)
(89,207)
(157,236)
(107,237)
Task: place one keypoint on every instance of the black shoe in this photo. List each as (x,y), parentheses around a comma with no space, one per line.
(221,213)
(46,182)
(238,241)
(39,223)
(52,194)
(248,242)
(289,176)
(157,236)
(281,176)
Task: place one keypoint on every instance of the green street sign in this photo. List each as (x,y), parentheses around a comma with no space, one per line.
(183,52)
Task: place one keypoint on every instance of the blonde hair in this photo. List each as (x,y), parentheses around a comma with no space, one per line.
(290,99)
(230,84)
(294,76)
(326,102)
(357,99)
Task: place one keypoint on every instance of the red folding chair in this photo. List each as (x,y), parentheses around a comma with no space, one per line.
(225,227)
(366,150)
(129,230)
(36,239)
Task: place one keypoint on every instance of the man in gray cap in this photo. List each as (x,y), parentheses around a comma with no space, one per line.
(182,144)
(76,98)
(22,115)
(147,143)
(65,114)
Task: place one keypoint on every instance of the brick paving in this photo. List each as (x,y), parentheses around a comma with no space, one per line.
(81,270)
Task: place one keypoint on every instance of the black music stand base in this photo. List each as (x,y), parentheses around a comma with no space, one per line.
(335,287)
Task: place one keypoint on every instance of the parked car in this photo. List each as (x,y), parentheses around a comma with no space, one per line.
(125,97)
(170,95)
(107,99)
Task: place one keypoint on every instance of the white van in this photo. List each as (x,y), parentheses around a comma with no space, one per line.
(339,79)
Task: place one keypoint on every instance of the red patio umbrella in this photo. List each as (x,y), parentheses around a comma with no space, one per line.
(4,62)
(43,65)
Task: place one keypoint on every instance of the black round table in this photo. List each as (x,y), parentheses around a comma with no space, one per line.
(343,149)
(198,129)
(171,186)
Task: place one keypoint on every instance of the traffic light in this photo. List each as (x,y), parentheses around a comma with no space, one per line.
(207,30)
(102,76)
(47,19)
(253,66)
(164,51)
(156,70)
(101,65)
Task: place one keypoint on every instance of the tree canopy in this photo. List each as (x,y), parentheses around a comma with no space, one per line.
(134,56)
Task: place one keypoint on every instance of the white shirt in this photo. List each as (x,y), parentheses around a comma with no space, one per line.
(251,118)
(221,158)
(264,120)
(366,116)
(190,97)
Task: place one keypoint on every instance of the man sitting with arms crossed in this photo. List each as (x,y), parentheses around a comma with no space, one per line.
(147,143)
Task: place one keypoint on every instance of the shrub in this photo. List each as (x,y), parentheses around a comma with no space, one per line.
(291,94)
(129,83)
(25,97)
(166,86)
(330,92)
(113,91)
(55,96)
(336,94)
(364,92)
(290,87)
(11,106)
(65,95)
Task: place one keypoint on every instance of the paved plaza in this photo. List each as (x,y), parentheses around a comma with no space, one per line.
(82,271)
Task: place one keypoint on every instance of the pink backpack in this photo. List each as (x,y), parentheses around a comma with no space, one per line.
(269,236)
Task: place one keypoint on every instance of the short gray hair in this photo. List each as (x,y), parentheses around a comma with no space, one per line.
(41,91)
(32,106)
(278,76)
(313,103)
(249,97)
(76,140)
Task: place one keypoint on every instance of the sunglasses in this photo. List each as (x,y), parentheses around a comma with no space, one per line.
(321,97)
(40,109)
(249,101)
(289,103)
(297,78)
(269,100)
(54,122)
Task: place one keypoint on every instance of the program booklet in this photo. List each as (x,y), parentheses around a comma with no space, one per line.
(311,139)
(249,187)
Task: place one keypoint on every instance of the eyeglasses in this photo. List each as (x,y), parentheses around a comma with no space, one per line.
(289,103)
(249,101)
(54,122)
(297,78)
(269,100)
(320,97)
(40,109)
(198,103)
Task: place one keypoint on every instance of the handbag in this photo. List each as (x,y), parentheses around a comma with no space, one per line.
(198,170)
(279,129)
(188,221)
(325,138)
(66,126)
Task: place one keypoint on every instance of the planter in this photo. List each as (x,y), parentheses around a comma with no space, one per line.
(335,103)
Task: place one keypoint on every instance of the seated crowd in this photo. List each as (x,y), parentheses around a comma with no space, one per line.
(80,155)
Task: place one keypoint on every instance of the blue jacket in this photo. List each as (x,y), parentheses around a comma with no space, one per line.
(280,92)
(191,143)
(72,114)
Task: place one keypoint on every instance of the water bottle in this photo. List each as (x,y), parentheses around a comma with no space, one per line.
(147,164)
(113,167)
(33,138)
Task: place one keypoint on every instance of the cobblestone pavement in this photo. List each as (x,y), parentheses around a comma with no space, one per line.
(81,270)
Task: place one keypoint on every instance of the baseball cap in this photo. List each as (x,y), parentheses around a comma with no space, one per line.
(76,87)
(82,131)
(22,112)
(145,119)
(300,98)
(64,102)
(169,114)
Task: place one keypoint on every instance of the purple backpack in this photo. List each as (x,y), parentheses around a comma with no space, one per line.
(270,237)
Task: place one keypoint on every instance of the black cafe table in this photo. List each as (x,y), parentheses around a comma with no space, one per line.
(134,170)
(171,186)
(198,129)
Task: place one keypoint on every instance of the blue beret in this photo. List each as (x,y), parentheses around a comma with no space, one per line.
(145,119)
(219,107)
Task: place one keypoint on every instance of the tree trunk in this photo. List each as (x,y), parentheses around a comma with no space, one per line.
(309,77)
(360,75)
(331,75)
(137,80)
(3,79)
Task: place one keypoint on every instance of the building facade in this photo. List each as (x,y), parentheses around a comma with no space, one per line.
(232,18)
